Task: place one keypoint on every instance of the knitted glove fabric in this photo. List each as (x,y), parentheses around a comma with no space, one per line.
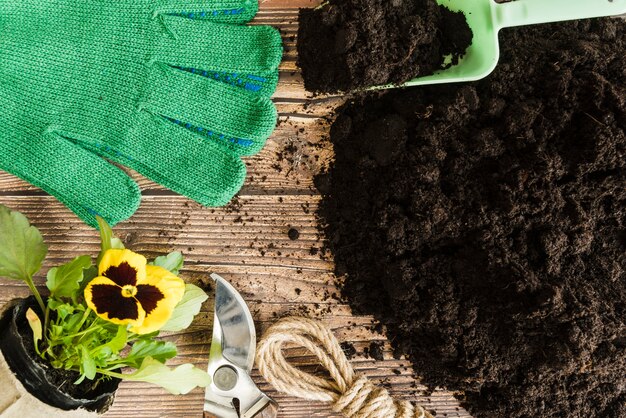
(177,90)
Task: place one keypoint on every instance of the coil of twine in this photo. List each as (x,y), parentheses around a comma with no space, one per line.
(349,393)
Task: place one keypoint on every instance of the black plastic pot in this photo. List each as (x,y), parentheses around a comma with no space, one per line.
(34,375)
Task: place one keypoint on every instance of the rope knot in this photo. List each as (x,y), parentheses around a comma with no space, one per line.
(364,399)
(351,395)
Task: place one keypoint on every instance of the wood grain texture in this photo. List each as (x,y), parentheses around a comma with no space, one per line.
(245,242)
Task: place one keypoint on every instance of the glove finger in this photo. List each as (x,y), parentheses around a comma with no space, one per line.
(226,11)
(260,83)
(219,48)
(84,182)
(224,114)
(164,152)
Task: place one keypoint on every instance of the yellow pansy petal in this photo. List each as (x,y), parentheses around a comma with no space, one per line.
(158,295)
(105,298)
(124,267)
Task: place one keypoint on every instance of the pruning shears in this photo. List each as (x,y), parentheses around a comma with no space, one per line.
(232,393)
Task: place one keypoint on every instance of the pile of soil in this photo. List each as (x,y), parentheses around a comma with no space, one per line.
(485,224)
(349,44)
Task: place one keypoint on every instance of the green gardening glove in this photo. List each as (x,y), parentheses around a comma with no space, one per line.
(177,90)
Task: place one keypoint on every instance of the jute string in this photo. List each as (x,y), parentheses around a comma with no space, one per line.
(350,394)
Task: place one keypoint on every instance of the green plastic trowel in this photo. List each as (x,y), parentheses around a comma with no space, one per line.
(486,18)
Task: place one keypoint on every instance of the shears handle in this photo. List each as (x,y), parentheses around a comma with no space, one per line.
(268,410)
(264,408)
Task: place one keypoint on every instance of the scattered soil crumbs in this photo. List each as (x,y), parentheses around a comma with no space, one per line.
(485,224)
(376,350)
(293,234)
(348,349)
(348,44)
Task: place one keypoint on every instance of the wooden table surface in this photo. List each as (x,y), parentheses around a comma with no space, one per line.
(245,242)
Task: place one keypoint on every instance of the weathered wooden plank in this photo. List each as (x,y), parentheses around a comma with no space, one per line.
(277,277)
(287,4)
(250,231)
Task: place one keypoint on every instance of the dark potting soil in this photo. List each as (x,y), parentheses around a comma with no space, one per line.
(485,224)
(349,44)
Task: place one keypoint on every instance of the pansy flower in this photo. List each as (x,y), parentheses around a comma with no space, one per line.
(128,291)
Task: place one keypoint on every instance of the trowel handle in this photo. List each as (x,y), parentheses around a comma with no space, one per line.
(531,12)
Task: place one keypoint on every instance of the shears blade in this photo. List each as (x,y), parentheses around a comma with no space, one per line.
(233,327)
(232,393)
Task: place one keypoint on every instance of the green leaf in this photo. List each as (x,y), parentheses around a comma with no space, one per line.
(188,307)
(117,243)
(118,342)
(158,350)
(179,381)
(108,352)
(106,233)
(56,331)
(62,309)
(107,239)
(71,322)
(173,262)
(64,281)
(88,275)
(35,324)
(22,249)
(88,365)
